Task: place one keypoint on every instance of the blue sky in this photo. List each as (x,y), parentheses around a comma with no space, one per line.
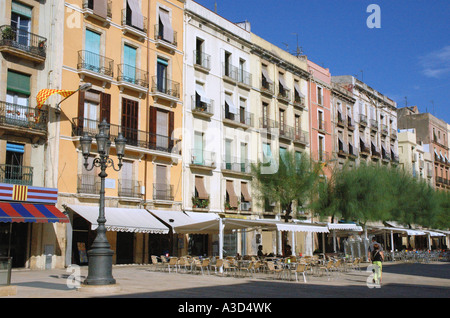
(409,56)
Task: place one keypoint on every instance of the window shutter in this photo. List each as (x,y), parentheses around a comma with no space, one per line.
(105,107)
(80,110)
(152,127)
(171,128)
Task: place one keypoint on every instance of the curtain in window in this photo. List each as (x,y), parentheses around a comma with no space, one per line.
(137,19)
(101,8)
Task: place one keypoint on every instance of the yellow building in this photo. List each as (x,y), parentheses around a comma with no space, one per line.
(131,53)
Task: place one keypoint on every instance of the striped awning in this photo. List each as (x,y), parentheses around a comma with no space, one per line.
(33,213)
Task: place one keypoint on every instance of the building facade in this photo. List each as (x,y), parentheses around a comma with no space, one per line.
(29,62)
(433,132)
(375,119)
(131,52)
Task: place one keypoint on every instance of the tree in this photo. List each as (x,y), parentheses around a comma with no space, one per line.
(293,181)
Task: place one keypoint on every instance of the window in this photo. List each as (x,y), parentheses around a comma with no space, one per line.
(321,148)
(17,94)
(244,154)
(130,117)
(230,109)
(282,120)
(242,106)
(13,163)
(199,44)
(227,64)
(319,95)
(134,15)
(21,20)
(198,148)
(91,110)
(267,153)
(321,122)
(161,75)
(297,124)
(165,30)
(265,108)
(228,155)
(129,61)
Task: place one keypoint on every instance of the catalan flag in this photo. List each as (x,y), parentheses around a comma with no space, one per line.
(43,94)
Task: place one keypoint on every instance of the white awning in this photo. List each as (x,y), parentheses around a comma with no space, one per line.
(179,218)
(432,233)
(122,220)
(230,103)
(266,75)
(407,231)
(168,33)
(344,227)
(200,91)
(302,228)
(297,88)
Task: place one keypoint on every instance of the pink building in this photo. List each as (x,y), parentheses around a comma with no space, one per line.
(320,110)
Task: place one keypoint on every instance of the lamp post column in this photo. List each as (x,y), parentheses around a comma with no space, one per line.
(100,255)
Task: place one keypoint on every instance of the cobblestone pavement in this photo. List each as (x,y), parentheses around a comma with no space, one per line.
(400,280)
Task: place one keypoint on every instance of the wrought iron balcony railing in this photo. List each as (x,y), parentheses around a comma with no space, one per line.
(271,126)
(14,174)
(93,62)
(22,40)
(159,36)
(267,87)
(22,116)
(201,107)
(204,158)
(129,188)
(236,164)
(202,59)
(163,191)
(242,117)
(132,75)
(137,138)
(127,21)
(165,86)
(88,184)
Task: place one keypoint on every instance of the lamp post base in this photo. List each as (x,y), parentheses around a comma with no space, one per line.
(100,266)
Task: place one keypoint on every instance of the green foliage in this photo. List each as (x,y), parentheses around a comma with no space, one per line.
(381,193)
(293,181)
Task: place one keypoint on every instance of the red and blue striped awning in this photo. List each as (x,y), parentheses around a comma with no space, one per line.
(34,213)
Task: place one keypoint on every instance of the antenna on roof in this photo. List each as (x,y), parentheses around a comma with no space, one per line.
(299,50)
(215,6)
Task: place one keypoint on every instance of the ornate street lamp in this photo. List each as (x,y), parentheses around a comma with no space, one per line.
(100,255)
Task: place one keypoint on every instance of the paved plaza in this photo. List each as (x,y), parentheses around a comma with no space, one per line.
(400,280)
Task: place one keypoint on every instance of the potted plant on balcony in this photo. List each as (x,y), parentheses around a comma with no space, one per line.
(8,33)
(200,203)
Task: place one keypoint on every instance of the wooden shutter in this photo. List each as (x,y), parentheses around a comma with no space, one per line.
(105,107)
(171,128)
(152,128)
(80,111)
(130,117)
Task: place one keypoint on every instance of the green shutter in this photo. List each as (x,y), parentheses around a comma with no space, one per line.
(21,9)
(18,83)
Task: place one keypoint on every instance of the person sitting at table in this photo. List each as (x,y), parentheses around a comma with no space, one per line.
(260,252)
(288,251)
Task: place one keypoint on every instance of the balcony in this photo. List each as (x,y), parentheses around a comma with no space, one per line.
(270,126)
(394,158)
(169,44)
(132,78)
(362,120)
(244,79)
(301,137)
(202,159)
(163,192)
(15,118)
(139,31)
(393,133)
(373,124)
(284,94)
(299,102)
(202,61)
(286,132)
(14,174)
(322,126)
(95,66)
(384,130)
(364,149)
(375,151)
(267,87)
(230,73)
(385,155)
(88,184)
(23,44)
(236,166)
(129,188)
(342,149)
(352,151)
(105,17)
(202,109)
(166,89)
(340,120)
(350,123)
(137,138)
(242,119)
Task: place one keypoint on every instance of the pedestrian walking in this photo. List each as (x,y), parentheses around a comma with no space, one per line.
(377,257)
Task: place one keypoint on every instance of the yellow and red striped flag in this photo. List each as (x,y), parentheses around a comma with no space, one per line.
(43,94)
